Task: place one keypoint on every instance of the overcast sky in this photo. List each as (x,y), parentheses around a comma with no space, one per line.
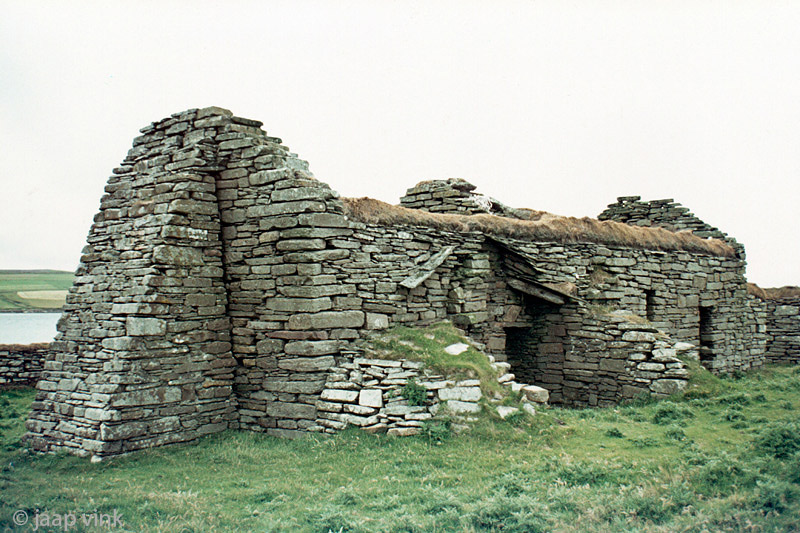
(558,106)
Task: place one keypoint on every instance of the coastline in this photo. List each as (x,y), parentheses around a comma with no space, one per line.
(31,311)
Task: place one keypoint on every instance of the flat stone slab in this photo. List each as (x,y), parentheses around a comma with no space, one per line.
(536,394)
(371,398)
(339,395)
(457,348)
(464,394)
(457,406)
(506,410)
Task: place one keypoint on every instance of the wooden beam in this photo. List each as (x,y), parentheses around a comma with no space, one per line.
(536,291)
(424,271)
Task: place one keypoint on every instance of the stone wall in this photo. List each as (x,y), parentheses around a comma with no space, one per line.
(223,287)
(783,325)
(368,393)
(21,365)
(143,354)
(665,214)
(668,289)
(599,360)
(456,196)
(453,196)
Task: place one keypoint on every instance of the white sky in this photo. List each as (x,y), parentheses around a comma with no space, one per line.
(559,106)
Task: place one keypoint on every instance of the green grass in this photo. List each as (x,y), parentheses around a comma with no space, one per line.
(674,465)
(15,281)
(427,345)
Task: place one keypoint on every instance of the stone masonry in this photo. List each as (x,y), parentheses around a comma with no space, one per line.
(664,213)
(222,286)
(21,365)
(783,326)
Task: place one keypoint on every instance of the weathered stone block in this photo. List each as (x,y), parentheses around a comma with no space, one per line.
(377,321)
(312,347)
(612,365)
(506,410)
(638,336)
(667,386)
(292,245)
(307,364)
(177,255)
(158,395)
(327,320)
(536,394)
(319,256)
(371,398)
(460,407)
(299,305)
(301,193)
(139,327)
(338,395)
(295,387)
(403,431)
(286,208)
(291,410)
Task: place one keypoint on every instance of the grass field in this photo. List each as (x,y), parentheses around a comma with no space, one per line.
(33,289)
(723,457)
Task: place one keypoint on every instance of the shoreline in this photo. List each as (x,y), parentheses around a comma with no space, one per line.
(30,311)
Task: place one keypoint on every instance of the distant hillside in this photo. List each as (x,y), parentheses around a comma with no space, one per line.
(29,290)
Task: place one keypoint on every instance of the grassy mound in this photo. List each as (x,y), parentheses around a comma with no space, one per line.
(427,345)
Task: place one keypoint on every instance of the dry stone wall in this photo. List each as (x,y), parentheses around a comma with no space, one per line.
(21,365)
(453,196)
(666,214)
(224,287)
(598,360)
(369,393)
(143,356)
(783,324)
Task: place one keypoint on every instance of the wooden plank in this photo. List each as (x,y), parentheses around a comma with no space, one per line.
(424,271)
(536,291)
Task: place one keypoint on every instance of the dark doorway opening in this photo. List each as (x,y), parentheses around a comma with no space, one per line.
(706,333)
(650,305)
(521,352)
(535,351)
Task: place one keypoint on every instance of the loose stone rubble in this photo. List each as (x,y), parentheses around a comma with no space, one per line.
(368,393)
(223,286)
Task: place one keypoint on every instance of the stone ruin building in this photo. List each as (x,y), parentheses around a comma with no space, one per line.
(223,286)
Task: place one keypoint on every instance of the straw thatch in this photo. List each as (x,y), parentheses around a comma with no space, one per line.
(542,227)
(755,290)
(24,348)
(773,293)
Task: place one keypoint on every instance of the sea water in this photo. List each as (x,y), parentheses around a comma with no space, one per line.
(27,328)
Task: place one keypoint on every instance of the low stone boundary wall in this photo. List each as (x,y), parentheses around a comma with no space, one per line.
(21,364)
(368,393)
(783,327)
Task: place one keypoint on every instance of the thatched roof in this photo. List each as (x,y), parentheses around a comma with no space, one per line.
(24,348)
(541,227)
(773,293)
